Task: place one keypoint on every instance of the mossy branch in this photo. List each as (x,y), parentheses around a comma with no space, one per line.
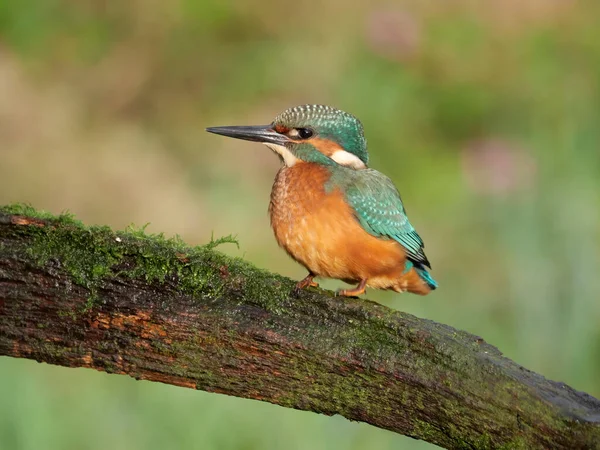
(155,309)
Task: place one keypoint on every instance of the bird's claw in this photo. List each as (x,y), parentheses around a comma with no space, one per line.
(345,293)
(359,290)
(305,283)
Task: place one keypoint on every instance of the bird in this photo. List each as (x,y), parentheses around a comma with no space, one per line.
(330,212)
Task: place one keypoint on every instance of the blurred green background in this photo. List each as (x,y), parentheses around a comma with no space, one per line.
(486,114)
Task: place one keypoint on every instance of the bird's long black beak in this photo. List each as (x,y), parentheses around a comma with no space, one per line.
(259,133)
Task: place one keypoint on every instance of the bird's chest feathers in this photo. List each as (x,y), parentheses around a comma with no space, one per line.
(303,213)
(318,228)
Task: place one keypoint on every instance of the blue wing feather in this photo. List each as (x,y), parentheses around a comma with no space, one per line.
(379,209)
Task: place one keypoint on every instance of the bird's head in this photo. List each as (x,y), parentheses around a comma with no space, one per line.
(311,133)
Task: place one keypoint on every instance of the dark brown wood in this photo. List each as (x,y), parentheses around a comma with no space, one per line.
(157,310)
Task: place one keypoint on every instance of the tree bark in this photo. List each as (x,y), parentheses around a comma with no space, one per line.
(154,309)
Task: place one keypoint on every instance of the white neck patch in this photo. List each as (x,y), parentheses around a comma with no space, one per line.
(288,157)
(347,159)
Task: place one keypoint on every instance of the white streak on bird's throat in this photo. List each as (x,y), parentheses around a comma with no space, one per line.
(288,157)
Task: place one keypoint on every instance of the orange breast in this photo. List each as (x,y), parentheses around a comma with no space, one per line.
(319,230)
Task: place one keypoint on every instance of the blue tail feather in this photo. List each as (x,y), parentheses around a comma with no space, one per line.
(426,277)
(422,272)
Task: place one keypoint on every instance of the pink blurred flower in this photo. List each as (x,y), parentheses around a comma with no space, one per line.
(496,167)
(393,34)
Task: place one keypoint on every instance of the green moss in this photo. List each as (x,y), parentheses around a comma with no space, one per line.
(516,444)
(327,392)
(90,254)
(93,254)
(222,240)
(65,314)
(426,431)
(24,209)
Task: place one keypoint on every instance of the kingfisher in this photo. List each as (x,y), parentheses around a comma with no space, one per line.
(330,212)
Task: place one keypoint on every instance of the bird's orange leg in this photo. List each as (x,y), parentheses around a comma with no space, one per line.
(306,282)
(359,290)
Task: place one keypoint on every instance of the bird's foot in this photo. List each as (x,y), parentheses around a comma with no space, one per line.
(358,290)
(304,283)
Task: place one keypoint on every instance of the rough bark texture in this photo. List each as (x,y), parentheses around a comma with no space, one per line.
(157,310)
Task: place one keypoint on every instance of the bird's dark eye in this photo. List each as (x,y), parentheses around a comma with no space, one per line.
(304,133)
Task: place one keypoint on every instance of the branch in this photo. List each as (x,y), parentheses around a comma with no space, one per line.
(155,309)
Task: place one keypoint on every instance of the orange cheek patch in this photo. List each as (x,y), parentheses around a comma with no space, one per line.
(325,146)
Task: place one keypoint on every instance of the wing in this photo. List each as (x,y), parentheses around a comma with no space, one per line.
(379,209)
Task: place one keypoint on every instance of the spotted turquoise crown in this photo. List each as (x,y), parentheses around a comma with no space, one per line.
(328,123)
